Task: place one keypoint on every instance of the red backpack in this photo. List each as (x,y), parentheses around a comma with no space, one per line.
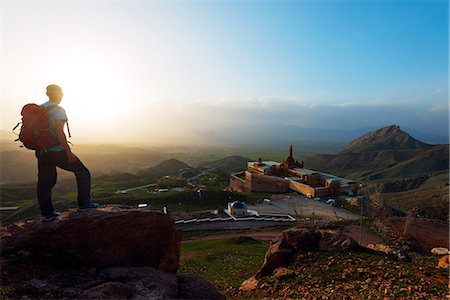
(35,131)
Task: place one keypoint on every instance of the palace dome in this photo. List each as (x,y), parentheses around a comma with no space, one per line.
(238,205)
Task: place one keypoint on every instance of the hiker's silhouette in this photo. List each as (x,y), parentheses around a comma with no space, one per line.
(59,155)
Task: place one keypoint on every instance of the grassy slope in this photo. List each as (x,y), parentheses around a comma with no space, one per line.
(226,262)
(361,274)
(103,193)
(431,195)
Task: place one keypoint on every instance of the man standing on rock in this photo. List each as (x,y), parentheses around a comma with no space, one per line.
(60,156)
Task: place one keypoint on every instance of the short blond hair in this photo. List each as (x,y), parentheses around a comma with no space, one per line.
(53,88)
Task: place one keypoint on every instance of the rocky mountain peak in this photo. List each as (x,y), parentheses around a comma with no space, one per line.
(386,138)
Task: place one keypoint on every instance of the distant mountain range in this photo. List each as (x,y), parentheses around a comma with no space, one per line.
(268,134)
(384,153)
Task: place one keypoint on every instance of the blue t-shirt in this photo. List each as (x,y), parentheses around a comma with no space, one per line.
(57,113)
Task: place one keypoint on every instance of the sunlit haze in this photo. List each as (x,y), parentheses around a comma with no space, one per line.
(186,71)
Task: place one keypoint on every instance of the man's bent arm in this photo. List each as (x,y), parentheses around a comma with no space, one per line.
(62,140)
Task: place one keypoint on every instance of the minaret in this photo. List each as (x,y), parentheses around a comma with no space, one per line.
(289,161)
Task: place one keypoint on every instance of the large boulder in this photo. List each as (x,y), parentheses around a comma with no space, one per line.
(197,287)
(336,241)
(108,253)
(282,251)
(105,237)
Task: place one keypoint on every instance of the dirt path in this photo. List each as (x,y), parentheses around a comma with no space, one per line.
(269,234)
(260,234)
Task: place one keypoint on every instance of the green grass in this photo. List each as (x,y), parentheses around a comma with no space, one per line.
(188,201)
(226,262)
(193,234)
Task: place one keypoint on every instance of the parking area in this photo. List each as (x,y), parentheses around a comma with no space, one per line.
(302,206)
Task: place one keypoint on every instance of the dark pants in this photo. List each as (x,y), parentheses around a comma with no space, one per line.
(47,163)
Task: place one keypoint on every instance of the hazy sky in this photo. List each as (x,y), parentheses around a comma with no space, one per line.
(156,70)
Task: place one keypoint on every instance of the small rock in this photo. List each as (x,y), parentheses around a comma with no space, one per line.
(439,251)
(380,248)
(109,290)
(249,285)
(401,255)
(444,262)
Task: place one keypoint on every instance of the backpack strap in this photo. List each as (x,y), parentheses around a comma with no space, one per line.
(68,129)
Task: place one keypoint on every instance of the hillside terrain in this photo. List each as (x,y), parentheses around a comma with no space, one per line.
(335,270)
(385,153)
(386,138)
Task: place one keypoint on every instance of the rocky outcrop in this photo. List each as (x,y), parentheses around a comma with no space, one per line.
(109,236)
(108,253)
(282,251)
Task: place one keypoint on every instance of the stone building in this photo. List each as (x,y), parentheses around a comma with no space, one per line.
(237,209)
(275,177)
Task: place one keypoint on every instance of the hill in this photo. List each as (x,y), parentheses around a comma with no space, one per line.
(229,164)
(19,164)
(170,167)
(385,153)
(386,138)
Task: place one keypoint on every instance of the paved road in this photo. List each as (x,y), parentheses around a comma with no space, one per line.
(136,188)
(232,225)
(302,206)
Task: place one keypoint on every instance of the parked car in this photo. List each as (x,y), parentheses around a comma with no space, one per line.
(317,198)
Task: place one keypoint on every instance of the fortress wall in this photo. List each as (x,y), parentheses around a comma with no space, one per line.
(263,183)
(238,184)
(302,188)
(321,191)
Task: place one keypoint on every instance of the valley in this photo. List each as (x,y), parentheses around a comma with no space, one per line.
(405,203)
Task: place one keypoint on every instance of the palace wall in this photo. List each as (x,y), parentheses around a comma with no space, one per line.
(264,183)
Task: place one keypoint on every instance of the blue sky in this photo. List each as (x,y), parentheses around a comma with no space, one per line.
(354,63)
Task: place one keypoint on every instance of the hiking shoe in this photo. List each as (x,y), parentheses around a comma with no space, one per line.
(53,215)
(90,205)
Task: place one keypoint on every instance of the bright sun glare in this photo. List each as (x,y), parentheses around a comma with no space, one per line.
(93,89)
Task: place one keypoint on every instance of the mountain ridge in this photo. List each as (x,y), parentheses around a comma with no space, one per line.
(386,138)
(384,153)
